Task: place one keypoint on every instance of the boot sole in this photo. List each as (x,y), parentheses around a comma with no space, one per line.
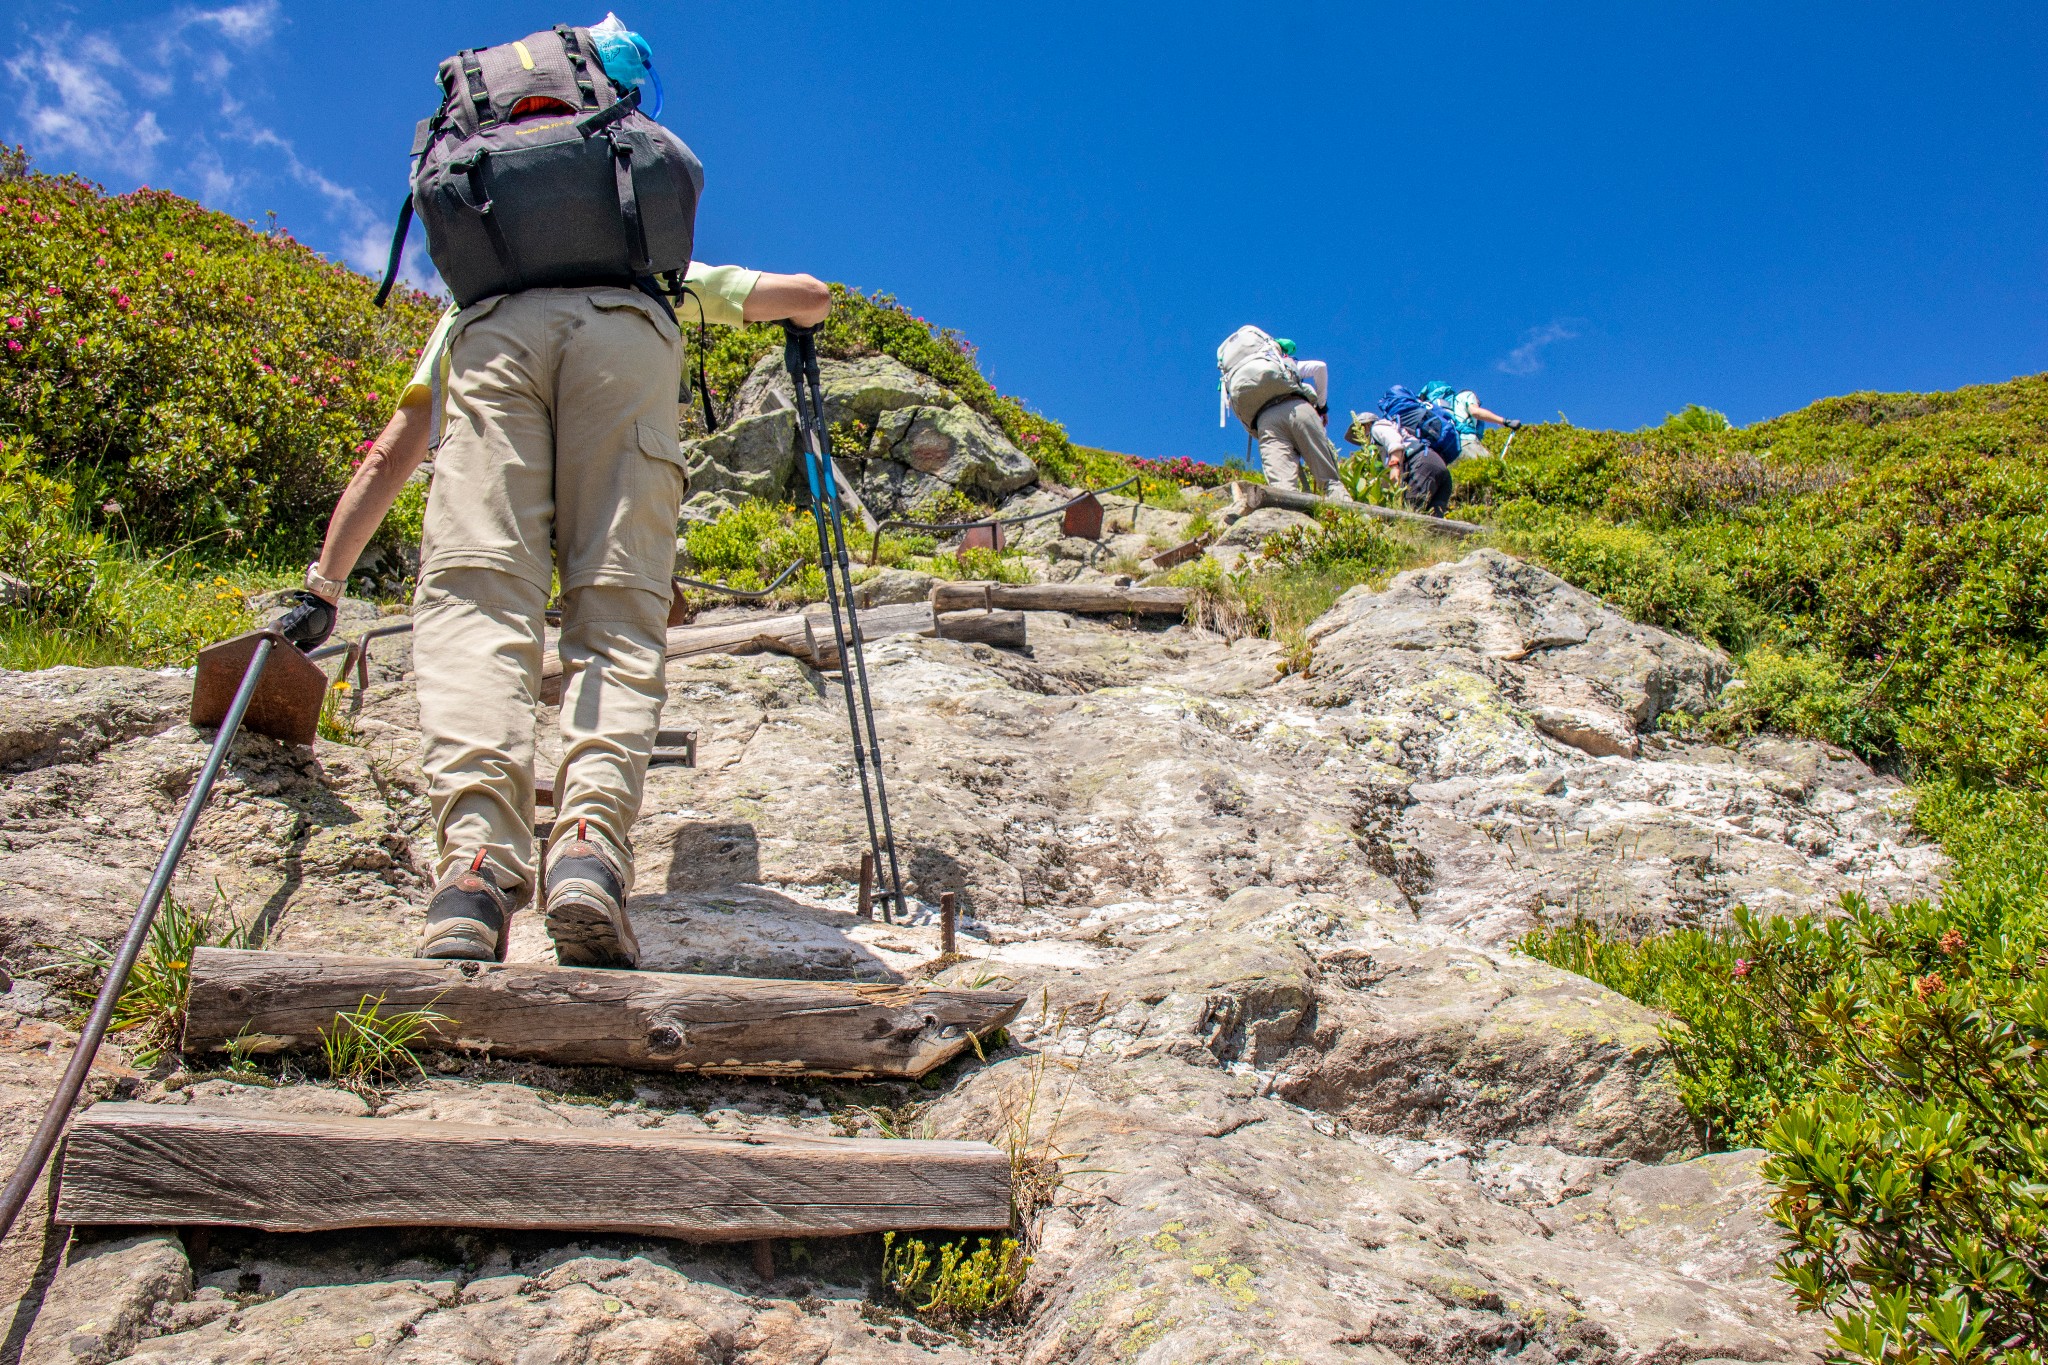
(586,935)
(462,940)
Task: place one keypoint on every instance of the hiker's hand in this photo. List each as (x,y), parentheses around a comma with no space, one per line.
(1512,426)
(309,622)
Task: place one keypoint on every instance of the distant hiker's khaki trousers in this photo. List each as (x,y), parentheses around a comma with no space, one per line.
(1291,434)
(558,457)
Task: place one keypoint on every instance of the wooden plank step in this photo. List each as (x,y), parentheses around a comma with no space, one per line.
(150,1164)
(1070,597)
(656,1021)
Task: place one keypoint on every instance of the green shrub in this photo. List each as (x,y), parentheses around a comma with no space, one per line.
(1693,417)
(1880,564)
(206,379)
(1801,692)
(957,1286)
(1631,568)
(750,545)
(39,544)
(150,1015)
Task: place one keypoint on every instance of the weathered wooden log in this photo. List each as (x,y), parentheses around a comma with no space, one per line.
(1005,629)
(1249,497)
(657,1021)
(816,645)
(1080,598)
(1181,553)
(805,635)
(163,1165)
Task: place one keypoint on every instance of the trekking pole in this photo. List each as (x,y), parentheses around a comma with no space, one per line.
(23,1182)
(800,358)
(1509,444)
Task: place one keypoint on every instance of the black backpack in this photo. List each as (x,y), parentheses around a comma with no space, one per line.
(535,172)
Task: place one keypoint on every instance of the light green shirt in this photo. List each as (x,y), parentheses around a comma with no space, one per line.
(716,294)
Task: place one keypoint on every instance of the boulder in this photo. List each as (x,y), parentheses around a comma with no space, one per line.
(1284,1090)
(753,457)
(104,1296)
(857,391)
(1250,531)
(893,586)
(67,715)
(919,451)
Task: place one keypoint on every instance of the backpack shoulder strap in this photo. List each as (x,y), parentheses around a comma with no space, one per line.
(579,63)
(475,90)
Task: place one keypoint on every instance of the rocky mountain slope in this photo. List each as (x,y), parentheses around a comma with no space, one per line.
(1283,1092)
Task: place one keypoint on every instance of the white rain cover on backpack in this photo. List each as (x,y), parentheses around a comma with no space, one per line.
(1255,372)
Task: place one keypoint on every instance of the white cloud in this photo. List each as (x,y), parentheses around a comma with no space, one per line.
(96,101)
(246,24)
(1527,358)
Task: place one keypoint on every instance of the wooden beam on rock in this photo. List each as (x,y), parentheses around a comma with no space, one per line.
(1249,497)
(1005,629)
(657,1021)
(1078,598)
(805,635)
(163,1165)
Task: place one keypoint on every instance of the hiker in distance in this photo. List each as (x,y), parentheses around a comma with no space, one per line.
(1264,386)
(548,397)
(1471,418)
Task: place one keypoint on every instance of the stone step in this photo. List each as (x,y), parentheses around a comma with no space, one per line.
(658,1021)
(166,1165)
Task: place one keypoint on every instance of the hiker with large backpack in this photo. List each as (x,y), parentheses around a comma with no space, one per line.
(1470,417)
(562,217)
(1429,435)
(1264,387)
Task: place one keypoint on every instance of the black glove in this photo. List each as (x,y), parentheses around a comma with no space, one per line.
(1513,426)
(309,623)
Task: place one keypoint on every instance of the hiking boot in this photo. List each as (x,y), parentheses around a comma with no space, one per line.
(468,917)
(586,900)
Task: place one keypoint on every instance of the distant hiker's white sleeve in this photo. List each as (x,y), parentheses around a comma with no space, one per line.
(719,291)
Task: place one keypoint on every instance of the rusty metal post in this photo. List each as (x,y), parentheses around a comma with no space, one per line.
(867,885)
(764,1258)
(949,917)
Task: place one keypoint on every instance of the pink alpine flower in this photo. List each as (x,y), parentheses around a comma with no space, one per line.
(17,323)
(13,345)
(53,291)
(1741,968)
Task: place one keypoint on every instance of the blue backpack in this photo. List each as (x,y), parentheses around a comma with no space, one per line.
(1433,424)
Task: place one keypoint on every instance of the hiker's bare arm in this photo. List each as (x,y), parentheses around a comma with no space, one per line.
(1488,415)
(394,455)
(802,299)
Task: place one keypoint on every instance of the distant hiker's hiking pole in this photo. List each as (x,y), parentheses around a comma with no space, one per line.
(800,358)
(1509,444)
(281,696)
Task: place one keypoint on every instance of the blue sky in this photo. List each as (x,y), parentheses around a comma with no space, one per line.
(1603,210)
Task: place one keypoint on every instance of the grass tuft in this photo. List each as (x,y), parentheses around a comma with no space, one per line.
(151,1011)
(365,1045)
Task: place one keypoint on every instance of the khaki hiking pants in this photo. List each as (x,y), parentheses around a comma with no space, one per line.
(558,457)
(1290,435)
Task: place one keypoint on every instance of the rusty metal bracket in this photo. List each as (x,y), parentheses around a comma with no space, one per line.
(286,704)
